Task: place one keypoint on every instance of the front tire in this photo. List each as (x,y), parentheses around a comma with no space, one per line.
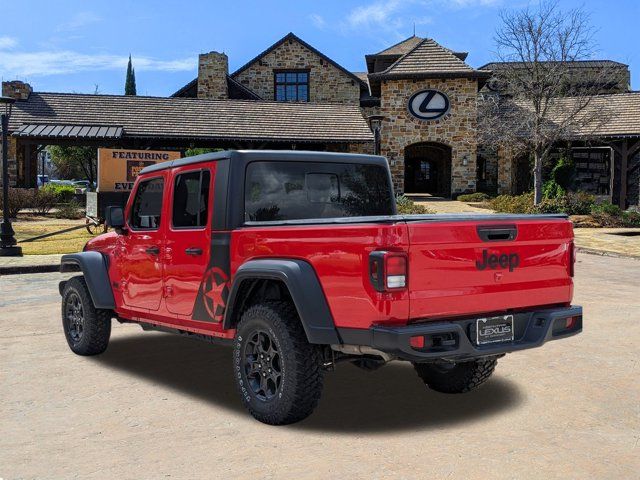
(277,371)
(86,328)
(459,377)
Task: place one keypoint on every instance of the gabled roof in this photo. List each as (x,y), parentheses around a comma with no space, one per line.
(189,118)
(291,36)
(429,59)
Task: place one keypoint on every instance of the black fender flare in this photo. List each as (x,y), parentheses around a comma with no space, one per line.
(96,274)
(305,290)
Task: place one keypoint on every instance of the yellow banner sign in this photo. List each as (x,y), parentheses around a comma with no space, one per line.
(118,169)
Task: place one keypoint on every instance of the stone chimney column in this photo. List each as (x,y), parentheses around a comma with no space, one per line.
(16,89)
(213,68)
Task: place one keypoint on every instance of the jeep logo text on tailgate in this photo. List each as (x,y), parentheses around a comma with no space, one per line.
(493,261)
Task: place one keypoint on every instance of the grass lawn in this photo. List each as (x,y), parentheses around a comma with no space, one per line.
(31,226)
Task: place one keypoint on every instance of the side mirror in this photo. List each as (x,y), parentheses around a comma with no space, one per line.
(115,218)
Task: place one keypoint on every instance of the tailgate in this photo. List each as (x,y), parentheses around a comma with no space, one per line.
(483,264)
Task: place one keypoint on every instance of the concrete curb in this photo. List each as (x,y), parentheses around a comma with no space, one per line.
(605,253)
(21,269)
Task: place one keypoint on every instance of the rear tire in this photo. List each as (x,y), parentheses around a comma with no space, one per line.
(277,371)
(456,377)
(86,328)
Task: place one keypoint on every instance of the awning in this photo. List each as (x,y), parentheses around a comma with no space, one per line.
(69,131)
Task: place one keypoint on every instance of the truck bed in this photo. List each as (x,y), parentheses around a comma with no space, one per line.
(443,250)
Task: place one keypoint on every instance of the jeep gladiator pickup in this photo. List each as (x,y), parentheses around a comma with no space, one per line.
(300,261)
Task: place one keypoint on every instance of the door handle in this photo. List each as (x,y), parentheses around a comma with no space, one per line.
(193,251)
(153,250)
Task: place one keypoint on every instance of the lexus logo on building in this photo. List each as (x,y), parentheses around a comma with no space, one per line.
(428,104)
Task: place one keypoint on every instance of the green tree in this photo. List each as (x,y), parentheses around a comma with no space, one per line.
(75,162)
(130,82)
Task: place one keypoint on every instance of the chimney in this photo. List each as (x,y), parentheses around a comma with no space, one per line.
(213,68)
(16,89)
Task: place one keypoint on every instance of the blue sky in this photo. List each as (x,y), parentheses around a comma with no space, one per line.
(72,46)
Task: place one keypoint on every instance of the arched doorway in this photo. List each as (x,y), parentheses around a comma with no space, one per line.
(427,169)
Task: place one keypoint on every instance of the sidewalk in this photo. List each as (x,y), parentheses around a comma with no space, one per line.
(623,242)
(29,264)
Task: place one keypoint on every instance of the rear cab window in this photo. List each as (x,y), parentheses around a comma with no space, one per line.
(279,191)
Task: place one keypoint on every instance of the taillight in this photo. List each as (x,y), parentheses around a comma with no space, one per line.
(572,258)
(388,270)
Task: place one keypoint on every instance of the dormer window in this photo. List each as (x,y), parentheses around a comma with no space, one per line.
(292,85)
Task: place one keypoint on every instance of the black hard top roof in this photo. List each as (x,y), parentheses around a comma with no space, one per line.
(270,155)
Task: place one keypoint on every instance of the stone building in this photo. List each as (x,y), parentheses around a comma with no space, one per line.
(416,104)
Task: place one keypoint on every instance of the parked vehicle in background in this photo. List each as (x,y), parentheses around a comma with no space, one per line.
(299,260)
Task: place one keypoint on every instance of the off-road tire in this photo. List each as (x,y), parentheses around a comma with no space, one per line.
(96,323)
(301,379)
(456,378)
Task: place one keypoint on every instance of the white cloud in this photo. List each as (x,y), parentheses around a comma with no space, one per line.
(7,42)
(77,21)
(318,20)
(377,13)
(41,63)
(476,3)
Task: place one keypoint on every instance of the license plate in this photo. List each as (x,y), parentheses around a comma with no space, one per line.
(494,329)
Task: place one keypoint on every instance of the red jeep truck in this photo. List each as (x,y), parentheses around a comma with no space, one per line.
(300,261)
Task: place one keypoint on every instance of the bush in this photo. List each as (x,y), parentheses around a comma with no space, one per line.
(19,199)
(71,210)
(608,215)
(63,193)
(571,204)
(552,190)
(513,204)
(44,200)
(473,197)
(406,206)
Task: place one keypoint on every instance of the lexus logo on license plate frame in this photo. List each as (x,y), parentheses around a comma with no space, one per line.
(494,329)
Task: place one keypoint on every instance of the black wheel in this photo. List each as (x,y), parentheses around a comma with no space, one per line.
(278,373)
(86,328)
(456,377)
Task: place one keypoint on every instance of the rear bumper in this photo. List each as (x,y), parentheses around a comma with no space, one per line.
(453,339)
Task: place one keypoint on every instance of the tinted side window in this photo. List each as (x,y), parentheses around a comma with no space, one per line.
(304,190)
(147,204)
(190,199)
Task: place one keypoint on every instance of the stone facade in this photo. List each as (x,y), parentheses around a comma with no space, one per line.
(457,129)
(213,68)
(327,83)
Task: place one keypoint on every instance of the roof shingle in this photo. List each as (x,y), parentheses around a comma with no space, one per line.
(173,117)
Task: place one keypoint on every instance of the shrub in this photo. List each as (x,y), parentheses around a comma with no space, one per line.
(406,206)
(63,193)
(513,204)
(474,197)
(551,189)
(571,204)
(44,200)
(71,210)
(19,199)
(608,215)
(607,209)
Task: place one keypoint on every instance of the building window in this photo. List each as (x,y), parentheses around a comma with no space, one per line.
(292,86)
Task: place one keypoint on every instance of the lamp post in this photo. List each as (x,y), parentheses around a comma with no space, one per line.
(375,121)
(8,247)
